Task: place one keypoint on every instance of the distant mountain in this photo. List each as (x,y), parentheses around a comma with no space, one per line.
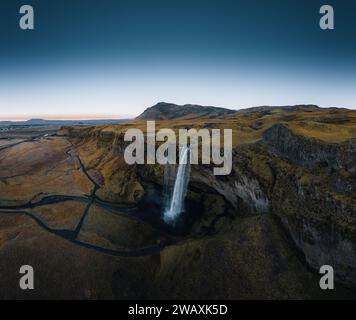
(44,122)
(168,111)
(5,123)
(295,108)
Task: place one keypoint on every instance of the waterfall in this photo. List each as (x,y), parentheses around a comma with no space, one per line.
(176,204)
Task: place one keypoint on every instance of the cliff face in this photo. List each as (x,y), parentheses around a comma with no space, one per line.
(309,184)
(309,152)
(314,194)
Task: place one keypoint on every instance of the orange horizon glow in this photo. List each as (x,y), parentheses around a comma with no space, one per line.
(65,117)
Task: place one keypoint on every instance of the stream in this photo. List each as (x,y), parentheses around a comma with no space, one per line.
(72,235)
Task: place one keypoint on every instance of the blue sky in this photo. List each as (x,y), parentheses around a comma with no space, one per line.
(115,58)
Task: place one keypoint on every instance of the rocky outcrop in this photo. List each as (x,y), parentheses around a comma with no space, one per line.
(310,152)
(241,189)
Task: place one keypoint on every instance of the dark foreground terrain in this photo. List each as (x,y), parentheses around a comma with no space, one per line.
(90,225)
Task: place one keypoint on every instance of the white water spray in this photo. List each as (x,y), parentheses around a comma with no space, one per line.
(176,205)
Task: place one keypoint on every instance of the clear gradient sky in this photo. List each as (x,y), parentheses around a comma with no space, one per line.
(113,58)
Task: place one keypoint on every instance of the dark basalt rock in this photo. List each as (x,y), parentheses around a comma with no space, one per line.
(310,152)
(314,201)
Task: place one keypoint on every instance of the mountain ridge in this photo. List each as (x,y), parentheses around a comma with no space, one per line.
(170,111)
